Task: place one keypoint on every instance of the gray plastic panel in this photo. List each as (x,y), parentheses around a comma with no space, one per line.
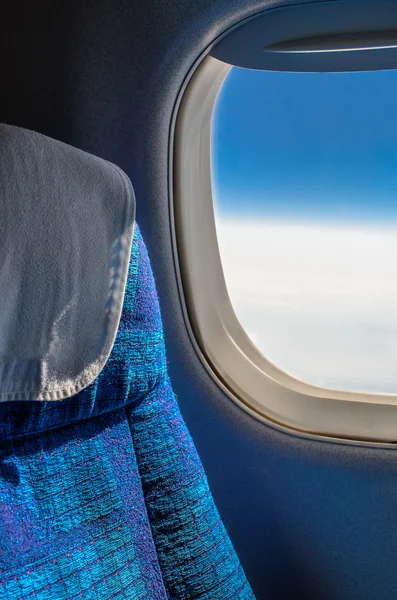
(329,36)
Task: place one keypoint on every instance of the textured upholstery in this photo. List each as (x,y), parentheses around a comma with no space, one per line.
(103,496)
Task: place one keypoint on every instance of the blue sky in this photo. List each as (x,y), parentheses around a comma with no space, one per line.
(307,146)
(305,182)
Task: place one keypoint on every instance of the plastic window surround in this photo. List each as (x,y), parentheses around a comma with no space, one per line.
(252,381)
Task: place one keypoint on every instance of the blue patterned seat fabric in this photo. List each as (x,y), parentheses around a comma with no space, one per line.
(102,495)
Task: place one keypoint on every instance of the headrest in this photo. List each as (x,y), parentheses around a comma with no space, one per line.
(66,226)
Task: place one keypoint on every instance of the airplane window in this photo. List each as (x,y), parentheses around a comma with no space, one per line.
(304,170)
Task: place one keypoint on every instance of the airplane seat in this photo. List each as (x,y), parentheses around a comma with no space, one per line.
(102,493)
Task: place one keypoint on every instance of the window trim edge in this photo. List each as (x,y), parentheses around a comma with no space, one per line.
(249,379)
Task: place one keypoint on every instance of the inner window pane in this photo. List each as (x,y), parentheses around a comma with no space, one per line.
(304,179)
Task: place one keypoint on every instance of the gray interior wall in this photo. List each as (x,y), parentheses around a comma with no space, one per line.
(309,519)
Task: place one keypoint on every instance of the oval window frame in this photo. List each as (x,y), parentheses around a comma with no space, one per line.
(249,378)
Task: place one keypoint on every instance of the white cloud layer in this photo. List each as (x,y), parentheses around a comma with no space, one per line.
(318,300)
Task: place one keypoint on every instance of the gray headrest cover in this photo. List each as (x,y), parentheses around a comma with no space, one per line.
(66,226)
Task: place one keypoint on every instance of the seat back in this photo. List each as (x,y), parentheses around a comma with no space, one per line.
(102,494)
